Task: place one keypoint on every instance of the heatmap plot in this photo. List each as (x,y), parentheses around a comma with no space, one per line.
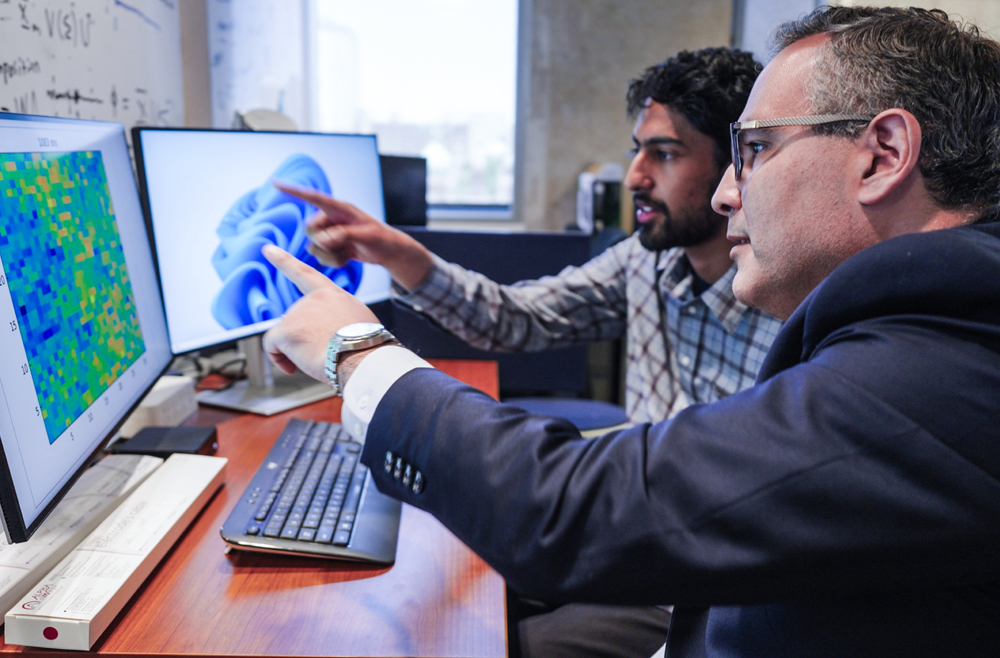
(66,271)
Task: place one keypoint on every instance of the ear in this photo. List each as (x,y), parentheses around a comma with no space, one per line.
(890,150)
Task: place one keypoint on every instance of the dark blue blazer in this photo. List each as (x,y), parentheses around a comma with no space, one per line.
(846,505)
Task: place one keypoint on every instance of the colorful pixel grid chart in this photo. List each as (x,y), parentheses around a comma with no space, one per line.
(65,266)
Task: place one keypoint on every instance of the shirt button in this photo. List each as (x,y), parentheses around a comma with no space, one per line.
(692,309)
(358,430)
(418,482)
(685,360)
(364,400)
(397,471)
(418,308)
(389,459)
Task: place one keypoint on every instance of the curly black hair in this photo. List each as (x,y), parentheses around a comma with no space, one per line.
(709,87)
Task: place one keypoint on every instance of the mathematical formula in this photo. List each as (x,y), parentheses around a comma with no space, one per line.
(112,60)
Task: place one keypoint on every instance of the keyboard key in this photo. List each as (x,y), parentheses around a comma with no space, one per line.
(354,494)
(342,537)
(324,535)
(272,530)
(307,534)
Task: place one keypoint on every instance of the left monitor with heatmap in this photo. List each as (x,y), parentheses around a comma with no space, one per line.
(82,331)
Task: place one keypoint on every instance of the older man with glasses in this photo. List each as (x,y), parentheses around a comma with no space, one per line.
(849,503)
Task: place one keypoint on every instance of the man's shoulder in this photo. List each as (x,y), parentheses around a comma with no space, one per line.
(635,256)
(948,273)
(920,262)
(944,278)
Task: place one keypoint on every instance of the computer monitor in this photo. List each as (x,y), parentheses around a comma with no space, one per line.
(404,180)
(210,207)
(82,331)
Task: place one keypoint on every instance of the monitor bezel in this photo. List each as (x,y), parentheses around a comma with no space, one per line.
(12,518)
(147,214)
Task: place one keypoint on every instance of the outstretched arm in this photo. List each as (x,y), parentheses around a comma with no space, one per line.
(807,486)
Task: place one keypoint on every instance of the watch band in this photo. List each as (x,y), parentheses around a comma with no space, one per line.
(352,338)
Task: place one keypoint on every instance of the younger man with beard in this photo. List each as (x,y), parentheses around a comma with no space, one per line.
(668,290)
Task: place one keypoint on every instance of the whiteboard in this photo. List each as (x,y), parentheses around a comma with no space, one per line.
(111,60)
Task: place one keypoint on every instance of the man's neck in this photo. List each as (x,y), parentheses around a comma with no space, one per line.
(710,259)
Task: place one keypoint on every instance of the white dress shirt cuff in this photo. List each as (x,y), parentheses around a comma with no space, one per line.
(370,381)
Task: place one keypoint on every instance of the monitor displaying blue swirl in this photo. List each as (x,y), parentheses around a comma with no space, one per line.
(211,208)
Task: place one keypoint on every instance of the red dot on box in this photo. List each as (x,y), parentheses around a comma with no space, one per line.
(50,633)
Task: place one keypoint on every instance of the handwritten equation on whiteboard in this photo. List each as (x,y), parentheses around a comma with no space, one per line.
(111,60)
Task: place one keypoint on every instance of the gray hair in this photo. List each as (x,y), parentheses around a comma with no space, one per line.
(943,72)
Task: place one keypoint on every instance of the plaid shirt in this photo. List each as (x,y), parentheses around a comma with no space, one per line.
(681,348)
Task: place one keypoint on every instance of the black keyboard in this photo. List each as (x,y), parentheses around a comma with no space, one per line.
(312,496)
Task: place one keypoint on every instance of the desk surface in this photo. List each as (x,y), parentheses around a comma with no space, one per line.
(438,599)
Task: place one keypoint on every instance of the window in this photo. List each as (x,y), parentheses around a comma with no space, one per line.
(431,78)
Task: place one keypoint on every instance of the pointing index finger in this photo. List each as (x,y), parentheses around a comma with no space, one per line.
(324,202)
(303,276)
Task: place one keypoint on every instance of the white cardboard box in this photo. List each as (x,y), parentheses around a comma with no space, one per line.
(74,604)
(99,490)
(168,403)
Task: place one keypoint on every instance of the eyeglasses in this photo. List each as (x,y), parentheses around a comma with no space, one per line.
(814,120)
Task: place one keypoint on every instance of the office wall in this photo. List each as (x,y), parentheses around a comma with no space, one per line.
(755,20)
(194,55)
(580,57)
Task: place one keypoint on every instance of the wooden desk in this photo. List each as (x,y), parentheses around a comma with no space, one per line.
(438,599)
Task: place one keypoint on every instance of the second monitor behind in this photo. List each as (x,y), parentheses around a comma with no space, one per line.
(404,185)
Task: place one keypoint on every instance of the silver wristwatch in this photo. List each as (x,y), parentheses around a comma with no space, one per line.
(351,338)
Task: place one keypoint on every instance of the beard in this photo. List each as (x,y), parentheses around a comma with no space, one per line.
(686,230)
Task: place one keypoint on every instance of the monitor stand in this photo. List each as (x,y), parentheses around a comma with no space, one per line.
(265,391)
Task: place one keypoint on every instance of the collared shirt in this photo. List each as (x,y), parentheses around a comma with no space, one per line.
(681,348)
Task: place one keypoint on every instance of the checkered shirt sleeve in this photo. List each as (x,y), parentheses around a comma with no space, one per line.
(577,305)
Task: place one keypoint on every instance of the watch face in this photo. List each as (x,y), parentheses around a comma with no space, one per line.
(359,330)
